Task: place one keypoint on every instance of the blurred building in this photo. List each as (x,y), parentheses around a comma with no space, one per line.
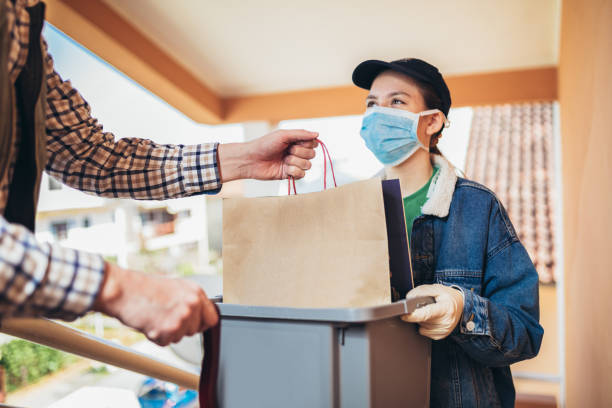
(127,231)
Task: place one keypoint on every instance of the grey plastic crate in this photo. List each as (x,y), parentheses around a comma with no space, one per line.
(350,358)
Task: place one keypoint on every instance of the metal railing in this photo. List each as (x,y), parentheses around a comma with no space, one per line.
(68,339)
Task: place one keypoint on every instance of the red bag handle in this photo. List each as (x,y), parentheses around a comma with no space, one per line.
(210,366)
(326,155)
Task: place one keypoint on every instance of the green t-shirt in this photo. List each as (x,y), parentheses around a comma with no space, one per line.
(414,202)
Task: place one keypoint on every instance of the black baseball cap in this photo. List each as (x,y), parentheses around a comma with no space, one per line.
(367,71)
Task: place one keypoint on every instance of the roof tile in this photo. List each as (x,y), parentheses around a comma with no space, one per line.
(511,152)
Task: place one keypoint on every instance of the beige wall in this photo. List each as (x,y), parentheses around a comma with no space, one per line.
(585,91)
(547,361)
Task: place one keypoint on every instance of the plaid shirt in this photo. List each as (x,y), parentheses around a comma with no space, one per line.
(44,279)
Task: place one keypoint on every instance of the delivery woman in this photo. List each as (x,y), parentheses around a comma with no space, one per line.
(465,251)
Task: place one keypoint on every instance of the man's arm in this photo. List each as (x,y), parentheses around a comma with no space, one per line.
(42,279)
(39,279)
(85,157)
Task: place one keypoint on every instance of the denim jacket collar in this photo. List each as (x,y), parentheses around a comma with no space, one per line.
(441,190)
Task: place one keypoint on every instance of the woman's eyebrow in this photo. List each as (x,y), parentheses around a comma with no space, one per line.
(399,93)
(371,96)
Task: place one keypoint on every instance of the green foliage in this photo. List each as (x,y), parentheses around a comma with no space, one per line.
(101,369)
(185,269)
(111,258)
(27,362)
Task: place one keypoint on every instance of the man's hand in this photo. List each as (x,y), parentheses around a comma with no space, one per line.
(275,156)
(163,309)
(437,320)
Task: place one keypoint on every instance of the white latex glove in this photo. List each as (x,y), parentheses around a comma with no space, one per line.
(436,320)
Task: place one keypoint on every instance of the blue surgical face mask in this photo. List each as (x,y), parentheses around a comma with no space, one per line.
(391,134)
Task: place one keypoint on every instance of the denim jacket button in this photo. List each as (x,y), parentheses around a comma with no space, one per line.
(470,325)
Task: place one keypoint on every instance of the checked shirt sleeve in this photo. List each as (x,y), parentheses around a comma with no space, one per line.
(86,158)
(38,279)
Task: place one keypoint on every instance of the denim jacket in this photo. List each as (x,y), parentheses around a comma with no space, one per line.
(464,238)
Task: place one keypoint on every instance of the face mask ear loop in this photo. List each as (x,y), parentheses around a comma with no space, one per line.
(431,112)
(326,155)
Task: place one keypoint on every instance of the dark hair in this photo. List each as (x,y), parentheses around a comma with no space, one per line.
(432,101)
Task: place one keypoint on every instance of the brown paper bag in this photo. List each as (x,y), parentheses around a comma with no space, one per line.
(326,249)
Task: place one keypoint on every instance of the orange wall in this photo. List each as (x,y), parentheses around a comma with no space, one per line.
(533,84)
(585,94)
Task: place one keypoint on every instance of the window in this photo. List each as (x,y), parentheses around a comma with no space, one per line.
(156,216)
(185,214)
(60,230)
(54,185)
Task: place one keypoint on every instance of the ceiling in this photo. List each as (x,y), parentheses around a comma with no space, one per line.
(239,47)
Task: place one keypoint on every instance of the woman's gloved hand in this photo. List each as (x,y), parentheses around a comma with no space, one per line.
(436,320)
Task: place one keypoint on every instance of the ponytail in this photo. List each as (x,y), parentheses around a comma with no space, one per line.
(433,142)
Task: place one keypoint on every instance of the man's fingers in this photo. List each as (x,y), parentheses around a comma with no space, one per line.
(295,172)
(311,144)
(298,135)
(193,323)
(175,337)
(298,162)
(302,151)
(190,314)
(193,314)
(170,332)
(203,312)
(209,313)
(158,338)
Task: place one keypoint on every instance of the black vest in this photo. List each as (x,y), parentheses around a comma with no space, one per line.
(22,106)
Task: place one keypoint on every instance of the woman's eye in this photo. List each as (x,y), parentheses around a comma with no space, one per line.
(397,102)
(369,104)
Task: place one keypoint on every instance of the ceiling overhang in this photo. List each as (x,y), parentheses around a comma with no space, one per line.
(113,38)
(108,35)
